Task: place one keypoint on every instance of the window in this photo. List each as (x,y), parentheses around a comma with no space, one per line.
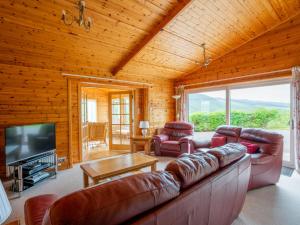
(264,106)
(207,111)
(92,110)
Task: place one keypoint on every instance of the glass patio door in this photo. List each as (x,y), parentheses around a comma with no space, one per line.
(267,107)
(260,105)
(120,121)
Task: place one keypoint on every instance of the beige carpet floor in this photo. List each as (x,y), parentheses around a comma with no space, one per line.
(273,205)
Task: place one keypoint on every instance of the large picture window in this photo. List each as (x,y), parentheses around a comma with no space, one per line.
(207,111)
(265,106)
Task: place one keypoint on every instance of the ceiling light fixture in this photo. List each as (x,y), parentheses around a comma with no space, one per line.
(206,61)
(68,17)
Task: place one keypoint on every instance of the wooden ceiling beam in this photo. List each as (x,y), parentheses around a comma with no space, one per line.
(182,4)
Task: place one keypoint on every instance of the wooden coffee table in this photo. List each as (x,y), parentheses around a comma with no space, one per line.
(107,168)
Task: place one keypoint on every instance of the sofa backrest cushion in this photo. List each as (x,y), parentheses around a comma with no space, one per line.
(191,168)
(114,202)
(176,130)
(228,153)
(269,142)
(231,132)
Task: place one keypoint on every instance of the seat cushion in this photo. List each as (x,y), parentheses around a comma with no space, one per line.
(114,202)
(171,145)
(35,208)
(191,168)
(202,150)
(228,153)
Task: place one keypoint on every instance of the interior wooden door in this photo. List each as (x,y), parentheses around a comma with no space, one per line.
(84,126)
(120,120)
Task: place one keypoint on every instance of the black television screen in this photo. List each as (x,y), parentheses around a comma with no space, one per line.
(22,142)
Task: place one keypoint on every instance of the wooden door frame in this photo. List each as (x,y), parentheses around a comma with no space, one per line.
(131,116)
(99,84)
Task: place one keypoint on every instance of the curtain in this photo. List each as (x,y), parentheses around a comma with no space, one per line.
(180,104)
(296,113)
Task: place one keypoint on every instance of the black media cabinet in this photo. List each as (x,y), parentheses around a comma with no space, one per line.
(32,171)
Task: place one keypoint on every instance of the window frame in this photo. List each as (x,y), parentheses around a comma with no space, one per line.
(229,87)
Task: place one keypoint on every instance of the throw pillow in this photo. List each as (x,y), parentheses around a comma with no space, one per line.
(251,148)
(218,141)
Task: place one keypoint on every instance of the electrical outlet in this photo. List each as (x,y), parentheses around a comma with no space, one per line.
(61,159)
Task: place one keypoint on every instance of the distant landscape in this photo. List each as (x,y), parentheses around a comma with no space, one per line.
(208,113)
(218,104)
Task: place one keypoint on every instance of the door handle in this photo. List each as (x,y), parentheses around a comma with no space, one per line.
(292,124)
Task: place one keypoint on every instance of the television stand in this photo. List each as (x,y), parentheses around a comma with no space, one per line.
(32,171)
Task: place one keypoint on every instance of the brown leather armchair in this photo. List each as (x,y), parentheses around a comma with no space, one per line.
(175,139)
(265,165)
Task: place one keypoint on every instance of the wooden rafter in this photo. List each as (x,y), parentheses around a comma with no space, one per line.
(167,19)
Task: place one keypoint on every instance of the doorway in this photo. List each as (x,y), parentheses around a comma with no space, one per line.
(106,122)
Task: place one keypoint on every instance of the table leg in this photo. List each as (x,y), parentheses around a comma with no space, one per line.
(147,148)
(133,150)
(153,167)
(85,180)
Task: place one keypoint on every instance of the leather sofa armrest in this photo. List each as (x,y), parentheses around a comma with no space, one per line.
(261,158)
(186,139)
(201,143)
(161,137)
(35,208)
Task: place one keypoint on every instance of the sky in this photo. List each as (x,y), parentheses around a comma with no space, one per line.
(274,93)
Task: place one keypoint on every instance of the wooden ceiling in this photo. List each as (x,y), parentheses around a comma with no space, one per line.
(222,24)
(31,26)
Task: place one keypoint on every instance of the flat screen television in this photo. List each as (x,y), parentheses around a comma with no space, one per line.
(23,142)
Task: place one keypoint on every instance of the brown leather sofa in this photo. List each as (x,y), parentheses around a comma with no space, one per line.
(266,164)
(195,189)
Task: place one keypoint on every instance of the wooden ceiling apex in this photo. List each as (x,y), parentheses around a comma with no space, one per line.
(182,4)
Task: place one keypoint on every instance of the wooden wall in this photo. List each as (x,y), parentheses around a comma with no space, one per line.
(275,50)
(36,47)
(33,95)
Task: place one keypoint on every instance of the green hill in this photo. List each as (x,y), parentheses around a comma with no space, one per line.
(205,103)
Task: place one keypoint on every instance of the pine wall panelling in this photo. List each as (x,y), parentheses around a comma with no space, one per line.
(277,49)
(36,47)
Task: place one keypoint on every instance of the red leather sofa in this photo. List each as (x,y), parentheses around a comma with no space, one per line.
(174,139)
(266,163)
(195,189)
